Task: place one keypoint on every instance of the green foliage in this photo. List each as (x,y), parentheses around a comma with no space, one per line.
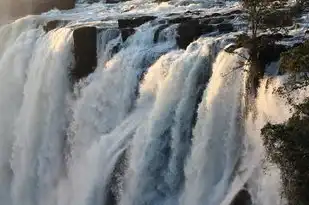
(287,146)
(295,63)
(295,60)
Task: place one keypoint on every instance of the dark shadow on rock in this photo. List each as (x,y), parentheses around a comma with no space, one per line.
(126,33)
(190,31)
(158,31)
(225,27)
(85,52)
(115,183)
(242,198)
(51,25)
(134,21)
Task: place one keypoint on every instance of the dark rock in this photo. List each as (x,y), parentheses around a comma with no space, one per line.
(242,198)
(126,33)
(216,20)
(180,19)
(234,12)
(231,17)
(190,31)
(215,14)
(225,27)
(196,12)
(134,22)
(206,29)
(85,52)
(114,1)
(158,31)
(271,53)
(205,20)
(51,25)
(115,182)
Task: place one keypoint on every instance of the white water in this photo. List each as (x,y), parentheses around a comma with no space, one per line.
(152,125)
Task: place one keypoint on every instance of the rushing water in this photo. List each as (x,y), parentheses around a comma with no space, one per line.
(152,125)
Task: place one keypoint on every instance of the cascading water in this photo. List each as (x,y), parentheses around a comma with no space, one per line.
(152,124)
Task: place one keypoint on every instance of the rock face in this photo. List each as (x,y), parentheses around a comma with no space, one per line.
(85,52)
(190,31)
(127,25)
(51,25)
(134,22)
(25,7)
(242,198)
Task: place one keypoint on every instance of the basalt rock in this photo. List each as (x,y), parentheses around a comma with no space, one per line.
(242,198)
(115,182)
(85,52)
(225,27)
(134,22)
(126,33)
(158,31)
(51,25)
(190,31)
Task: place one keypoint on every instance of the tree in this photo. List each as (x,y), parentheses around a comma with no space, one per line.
(262,15)
(287,146)
(294,63)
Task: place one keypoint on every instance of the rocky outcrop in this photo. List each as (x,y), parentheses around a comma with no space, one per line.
(242,198)
(114,1)
(126,33)
(190,31)
(127,26)
(51,25)
(225,27)
(85,52)
(134,22)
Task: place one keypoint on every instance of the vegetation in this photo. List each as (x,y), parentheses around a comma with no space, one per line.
(287,145)
(263,15)
(295,63)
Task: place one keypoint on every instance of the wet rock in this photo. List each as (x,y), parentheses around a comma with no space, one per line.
(234,12)
(215,14)
(271,53)
(51,25)
(190,31)
(180,19)
(217,20)
(126,33)
(225,27)
(85,52)
(134,22)
(116,180)
(242,198)
(158,31)
(114,1)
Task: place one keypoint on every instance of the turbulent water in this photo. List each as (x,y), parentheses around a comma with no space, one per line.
(152,125)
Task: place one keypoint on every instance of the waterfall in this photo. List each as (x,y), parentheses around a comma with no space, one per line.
(37,160)
(216,139)
(153,124)
(14,60)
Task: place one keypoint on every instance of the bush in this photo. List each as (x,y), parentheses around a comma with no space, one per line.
(295,60)
(287,146)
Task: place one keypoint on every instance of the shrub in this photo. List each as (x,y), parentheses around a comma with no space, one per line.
(287,146)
